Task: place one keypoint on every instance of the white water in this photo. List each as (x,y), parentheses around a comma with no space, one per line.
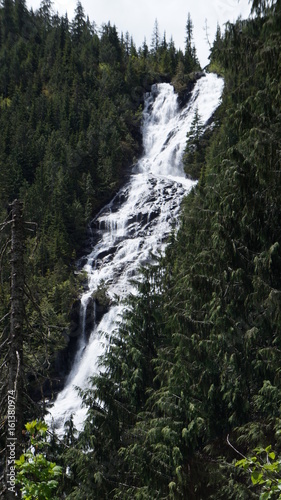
(136,222)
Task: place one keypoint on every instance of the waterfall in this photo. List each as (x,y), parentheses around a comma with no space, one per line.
(135,223)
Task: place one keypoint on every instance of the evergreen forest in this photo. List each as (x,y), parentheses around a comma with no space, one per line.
(191,377)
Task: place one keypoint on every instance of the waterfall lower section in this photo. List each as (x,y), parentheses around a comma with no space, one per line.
(135,224)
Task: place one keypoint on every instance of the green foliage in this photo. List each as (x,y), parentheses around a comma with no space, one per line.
(265,470)
(101,295)
(190,58)
(194,156)
(197,356)
(127,373)
(36,475)
(70,117)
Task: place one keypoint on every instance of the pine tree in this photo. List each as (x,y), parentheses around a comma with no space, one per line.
(155,40)
(78,23)
(190,57)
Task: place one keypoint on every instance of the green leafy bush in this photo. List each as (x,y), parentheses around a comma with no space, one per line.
(36,475)
(265,470)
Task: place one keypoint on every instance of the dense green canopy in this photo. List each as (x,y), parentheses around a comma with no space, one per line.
(71,98)
(195,363)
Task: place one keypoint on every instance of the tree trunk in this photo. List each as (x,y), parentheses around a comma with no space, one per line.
(15,371)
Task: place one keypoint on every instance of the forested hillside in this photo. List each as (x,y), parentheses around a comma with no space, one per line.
(195,363)
(71,98)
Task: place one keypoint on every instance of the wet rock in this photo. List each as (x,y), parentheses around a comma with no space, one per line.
(105,253)
(184,94)
(74,329)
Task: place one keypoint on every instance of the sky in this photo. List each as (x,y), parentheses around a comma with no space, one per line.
(138,18)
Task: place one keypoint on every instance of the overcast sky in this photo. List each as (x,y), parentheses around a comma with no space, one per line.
(138,17)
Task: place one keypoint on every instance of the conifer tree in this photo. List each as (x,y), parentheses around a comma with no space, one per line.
(190,57)
(155,41)
(79,22)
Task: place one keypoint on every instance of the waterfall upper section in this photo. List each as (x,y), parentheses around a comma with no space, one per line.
(136,223)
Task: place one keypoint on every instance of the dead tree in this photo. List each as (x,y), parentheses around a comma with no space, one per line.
(15,352)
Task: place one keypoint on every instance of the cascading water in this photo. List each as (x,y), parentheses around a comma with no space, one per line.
(134,224)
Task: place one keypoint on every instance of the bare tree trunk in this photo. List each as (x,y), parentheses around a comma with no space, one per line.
(15,370)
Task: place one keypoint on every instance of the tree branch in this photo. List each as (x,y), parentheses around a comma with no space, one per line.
(229,443)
